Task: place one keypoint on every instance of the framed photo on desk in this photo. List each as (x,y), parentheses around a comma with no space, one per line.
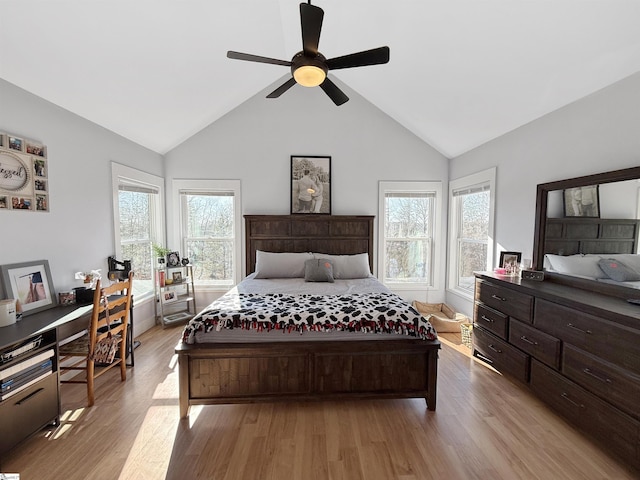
(29,283)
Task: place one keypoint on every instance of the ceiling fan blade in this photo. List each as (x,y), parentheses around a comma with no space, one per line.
(311,22)
(334,92)
(282,88)
(375,56)
(256,58)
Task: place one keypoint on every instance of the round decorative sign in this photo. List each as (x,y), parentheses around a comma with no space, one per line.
(14,174)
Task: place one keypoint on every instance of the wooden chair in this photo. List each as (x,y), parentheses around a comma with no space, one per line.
(116,300)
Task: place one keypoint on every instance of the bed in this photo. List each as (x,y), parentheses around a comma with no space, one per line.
(233,365)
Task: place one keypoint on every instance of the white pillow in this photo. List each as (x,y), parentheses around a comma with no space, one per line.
(348,266)
(577,265)
(280,265)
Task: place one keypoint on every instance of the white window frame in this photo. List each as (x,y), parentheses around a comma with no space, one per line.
(485,177)
(195,186)
(410,187)
(121,174)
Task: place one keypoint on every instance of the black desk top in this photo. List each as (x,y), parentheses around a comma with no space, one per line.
(41,322)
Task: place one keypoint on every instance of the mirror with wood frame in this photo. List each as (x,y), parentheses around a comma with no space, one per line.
(584,222)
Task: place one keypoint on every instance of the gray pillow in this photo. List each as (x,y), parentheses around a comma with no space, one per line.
(318,270)
(348,266)
(618,271)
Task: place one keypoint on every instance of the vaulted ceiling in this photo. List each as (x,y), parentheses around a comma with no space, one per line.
(462,72)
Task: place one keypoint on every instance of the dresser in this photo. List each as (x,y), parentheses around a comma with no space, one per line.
(578,351)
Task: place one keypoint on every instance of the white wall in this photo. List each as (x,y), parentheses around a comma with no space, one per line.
(254,143)
(77,233)
(596,134)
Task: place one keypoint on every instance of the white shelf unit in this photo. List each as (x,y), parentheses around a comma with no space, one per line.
(175,298)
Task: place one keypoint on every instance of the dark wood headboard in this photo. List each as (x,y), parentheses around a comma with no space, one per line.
(330,234)
(568,236)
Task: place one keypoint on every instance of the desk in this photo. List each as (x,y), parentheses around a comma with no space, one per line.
(65,320)
(39,404)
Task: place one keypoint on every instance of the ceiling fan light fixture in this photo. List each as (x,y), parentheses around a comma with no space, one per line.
(309,67)
(309,75)
(309,71)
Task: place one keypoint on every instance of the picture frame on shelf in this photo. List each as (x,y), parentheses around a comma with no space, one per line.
(173,259)
(29,283)
(311,184)
(177,277)
(169,296)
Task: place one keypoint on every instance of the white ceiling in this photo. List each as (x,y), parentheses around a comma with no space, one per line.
(462,72)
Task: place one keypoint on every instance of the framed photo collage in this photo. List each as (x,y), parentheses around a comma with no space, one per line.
(24,174)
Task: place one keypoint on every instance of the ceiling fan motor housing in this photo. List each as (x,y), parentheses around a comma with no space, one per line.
(302,60)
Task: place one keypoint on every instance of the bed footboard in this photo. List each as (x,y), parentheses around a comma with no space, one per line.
(240,373)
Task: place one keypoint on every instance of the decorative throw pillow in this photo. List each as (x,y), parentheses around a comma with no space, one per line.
(318,270)
(618,271)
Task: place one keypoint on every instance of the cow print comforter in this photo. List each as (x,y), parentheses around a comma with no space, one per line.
(362,312)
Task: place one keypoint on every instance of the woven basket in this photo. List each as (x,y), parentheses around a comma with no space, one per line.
(466,329)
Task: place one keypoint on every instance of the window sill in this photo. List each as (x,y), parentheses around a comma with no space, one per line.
(464,294)
(409,286)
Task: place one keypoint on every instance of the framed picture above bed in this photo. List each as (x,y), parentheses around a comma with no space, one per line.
(310,184)
(582,202)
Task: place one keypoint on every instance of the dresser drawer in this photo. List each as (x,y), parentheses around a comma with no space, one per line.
(538,344)
(500,355)
(512,303)
(492,320)
(28,411)
(608,340)
(615,429)
(614,384)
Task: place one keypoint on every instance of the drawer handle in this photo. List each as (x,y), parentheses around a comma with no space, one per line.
(597,377)
(525,339)
(571,325)
(484,358)
(31,395)
(566,397)
(487,319)
(497,350)
(502,299)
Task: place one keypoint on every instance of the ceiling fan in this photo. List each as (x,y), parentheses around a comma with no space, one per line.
(309,67)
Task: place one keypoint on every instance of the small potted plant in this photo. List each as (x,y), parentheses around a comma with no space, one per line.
(160,252)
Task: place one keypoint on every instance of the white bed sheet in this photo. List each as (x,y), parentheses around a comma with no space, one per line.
(299,286)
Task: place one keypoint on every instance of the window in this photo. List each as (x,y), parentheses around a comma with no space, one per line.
(408,229)
(470,229)
(138,221)
(209,216)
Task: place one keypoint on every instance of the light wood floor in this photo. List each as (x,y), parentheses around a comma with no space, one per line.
(485,427)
